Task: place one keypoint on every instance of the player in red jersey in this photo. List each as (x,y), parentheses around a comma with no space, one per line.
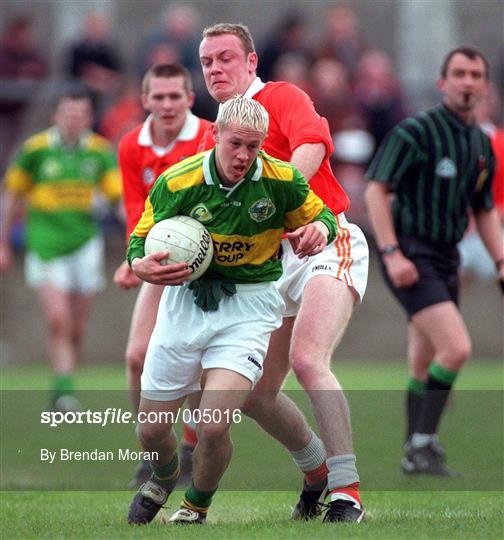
(170,134)
(322,288)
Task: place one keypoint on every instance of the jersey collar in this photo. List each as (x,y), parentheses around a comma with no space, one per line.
(187,133)
(212,177)
(256,86)
(453,119)
(55,139)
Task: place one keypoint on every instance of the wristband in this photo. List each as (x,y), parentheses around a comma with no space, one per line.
(388,249)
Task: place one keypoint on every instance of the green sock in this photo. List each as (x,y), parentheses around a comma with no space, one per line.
(442,374)
(63,383)
(197,500)
(167,475)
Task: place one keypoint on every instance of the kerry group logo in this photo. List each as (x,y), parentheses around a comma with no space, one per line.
(262,209)
(446,168)
(201,213)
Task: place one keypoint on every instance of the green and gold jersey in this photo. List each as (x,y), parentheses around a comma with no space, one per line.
(58,182)
(246,221)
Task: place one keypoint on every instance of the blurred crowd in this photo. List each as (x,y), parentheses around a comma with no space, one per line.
(351,83)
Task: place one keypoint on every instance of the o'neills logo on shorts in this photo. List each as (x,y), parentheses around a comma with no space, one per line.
(254,361)
(205,242)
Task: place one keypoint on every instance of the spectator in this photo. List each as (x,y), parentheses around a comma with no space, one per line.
(20,65)
(94,61)
(378,93)
(475,261)
(175,40)
(293,68)
(353,145)
(123,115)
(342,38)
(290,36)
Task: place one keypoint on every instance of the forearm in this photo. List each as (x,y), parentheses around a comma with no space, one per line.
(489,229)
(136,248)
(327,218)
(10,207)
(380,215)
(308,157)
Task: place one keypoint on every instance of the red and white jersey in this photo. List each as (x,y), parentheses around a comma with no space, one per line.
(293,121)
(141,161)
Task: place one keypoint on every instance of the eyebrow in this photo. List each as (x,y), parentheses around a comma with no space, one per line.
(220,53)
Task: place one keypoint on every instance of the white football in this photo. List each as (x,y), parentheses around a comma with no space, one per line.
(186,240)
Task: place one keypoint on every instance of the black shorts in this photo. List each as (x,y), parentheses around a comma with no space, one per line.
(438,269)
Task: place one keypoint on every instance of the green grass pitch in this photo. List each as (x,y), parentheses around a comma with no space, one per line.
(471,507)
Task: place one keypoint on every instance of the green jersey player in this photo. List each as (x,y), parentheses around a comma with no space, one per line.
(246,199)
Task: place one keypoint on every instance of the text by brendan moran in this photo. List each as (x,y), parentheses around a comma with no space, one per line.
(121,454)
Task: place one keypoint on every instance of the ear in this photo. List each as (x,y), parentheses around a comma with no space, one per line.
(441,84)
(190,99)
(215,132)
(252,62)
(144,101)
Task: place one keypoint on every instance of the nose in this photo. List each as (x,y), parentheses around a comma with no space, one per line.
(242,155)
(215,68)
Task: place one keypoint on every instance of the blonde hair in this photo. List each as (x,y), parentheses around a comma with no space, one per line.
(243,112)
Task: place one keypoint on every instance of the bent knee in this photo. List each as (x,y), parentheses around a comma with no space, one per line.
(211,433)
(151,433)
(457,355)
(310,370)
(135,359)
(260,402)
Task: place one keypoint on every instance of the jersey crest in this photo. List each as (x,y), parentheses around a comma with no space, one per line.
(51,168)
(446,168)
(262,209)
(201,213)
(148,176)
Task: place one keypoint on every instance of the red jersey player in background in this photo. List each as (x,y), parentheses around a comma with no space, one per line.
(319,291)
(170,134)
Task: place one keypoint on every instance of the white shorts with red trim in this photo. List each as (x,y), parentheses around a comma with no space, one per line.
(346,258)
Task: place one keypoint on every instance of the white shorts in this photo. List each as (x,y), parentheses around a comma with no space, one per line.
(187,340)
(347,259)
(80,271)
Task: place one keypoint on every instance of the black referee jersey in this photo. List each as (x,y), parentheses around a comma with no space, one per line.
(438,167)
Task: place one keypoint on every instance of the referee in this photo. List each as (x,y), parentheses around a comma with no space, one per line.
(439,167)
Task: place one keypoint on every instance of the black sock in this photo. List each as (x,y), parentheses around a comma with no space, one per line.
(438,388)
(415,394)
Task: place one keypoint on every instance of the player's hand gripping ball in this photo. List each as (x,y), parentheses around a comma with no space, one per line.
(186,240)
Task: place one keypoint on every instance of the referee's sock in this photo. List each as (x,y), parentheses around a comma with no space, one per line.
(312,461)
(415,393)
(439,385)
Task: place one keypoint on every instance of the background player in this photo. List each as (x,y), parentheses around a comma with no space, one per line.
(58,171)
(170,134)
(248,198)
(439,166)
(324,287)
